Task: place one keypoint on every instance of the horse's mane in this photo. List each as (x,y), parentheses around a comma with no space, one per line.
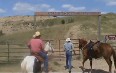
(83,41)
(46,46)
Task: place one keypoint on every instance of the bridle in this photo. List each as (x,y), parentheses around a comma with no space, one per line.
(84,46)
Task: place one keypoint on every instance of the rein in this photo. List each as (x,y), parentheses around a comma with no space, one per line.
(84,46)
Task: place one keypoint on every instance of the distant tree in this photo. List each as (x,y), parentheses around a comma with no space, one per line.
(63,21)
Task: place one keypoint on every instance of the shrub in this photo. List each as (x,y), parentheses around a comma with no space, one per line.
(63,21)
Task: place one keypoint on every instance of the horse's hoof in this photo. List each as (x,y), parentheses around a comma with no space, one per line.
(69,71)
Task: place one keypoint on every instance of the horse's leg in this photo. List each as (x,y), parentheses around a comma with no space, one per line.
(109,62)
(91,63)
(84,59)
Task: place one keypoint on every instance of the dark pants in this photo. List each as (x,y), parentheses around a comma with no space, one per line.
(44,55)
(68,59)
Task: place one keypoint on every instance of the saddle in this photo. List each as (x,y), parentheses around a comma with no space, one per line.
(39,58)
(92,52)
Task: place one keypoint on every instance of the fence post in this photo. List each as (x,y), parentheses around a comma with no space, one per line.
(59,51)
(8,51)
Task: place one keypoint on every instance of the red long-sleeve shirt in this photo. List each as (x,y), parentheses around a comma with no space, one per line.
(36,45)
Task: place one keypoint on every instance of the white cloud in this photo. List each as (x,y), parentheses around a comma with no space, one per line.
(27,7)
(23,7)
(112,3)
(52,10)
(73,8)
(96,10)
(2,10)
(67,6)
(45,6)
(104,12)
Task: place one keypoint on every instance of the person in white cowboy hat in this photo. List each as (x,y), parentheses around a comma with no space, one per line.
(37,46)
(68,46)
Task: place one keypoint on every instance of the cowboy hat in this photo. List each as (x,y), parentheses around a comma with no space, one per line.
(37,33)
(68,39)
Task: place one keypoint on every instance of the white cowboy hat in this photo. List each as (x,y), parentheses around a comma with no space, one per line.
(37,33)
(68,39)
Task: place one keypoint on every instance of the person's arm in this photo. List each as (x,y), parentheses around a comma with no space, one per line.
(42,46)
(72,46)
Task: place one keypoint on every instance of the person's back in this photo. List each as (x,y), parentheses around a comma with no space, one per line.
(36,45)
(68,46)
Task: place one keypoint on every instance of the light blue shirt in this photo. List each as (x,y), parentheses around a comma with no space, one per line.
(68,46)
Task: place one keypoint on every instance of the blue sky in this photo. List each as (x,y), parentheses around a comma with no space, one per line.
(28,7)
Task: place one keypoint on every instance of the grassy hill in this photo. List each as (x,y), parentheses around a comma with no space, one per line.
(61,27)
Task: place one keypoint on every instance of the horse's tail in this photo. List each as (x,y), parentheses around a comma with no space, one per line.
(114,56)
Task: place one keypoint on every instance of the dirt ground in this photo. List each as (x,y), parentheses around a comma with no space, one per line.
(99,66)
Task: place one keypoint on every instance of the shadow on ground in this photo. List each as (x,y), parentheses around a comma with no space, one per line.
(93,70)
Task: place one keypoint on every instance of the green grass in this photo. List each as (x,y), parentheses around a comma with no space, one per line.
(55,32)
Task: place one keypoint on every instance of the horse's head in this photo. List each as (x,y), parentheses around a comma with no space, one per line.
(49,47)
(82,43)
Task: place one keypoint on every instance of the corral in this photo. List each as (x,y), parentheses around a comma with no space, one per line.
(11,52)
(12,55)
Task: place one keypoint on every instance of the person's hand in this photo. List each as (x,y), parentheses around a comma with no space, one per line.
(46,52)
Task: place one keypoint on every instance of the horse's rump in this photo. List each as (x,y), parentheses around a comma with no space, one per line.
(37,56)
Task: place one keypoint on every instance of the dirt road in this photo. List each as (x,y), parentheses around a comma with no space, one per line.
(99,66)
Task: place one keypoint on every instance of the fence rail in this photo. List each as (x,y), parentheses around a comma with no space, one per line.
(16,52)
(10,52)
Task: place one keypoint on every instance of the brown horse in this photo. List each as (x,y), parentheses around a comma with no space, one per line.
(100,50)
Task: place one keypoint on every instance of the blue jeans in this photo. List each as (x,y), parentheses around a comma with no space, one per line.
(68,60)
(44,55)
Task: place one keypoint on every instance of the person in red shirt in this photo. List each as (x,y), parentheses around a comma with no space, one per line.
(37,46)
